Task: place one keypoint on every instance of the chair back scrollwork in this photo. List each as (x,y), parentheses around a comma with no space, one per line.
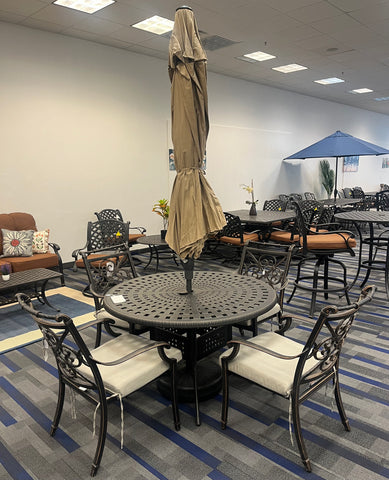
(109,214)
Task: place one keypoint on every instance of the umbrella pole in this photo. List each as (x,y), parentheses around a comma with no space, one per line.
(188,265)
(336,179)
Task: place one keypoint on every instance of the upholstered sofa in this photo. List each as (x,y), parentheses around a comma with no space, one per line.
(48,256)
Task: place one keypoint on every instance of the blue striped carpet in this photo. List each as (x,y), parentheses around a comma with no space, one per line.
(256,445)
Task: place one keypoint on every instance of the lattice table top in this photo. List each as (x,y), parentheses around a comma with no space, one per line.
(218,298)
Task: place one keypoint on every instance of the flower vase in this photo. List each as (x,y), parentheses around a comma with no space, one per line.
(163,234)
(253,209)
(5,277)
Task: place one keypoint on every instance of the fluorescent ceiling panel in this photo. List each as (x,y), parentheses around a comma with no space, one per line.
(259,56)
(361,90)
(87,6)
(292,67)
(329,81)
(155,24)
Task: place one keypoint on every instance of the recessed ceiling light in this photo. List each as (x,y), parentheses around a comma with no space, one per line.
(155,24)
(87,6)
(361,90)
(381,99)
(259,56)
(292,67)
(329,81)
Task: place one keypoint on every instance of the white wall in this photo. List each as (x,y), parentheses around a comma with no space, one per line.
(85,127)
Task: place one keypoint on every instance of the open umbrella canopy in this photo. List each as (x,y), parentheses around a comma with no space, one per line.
(337,145)
(195,212)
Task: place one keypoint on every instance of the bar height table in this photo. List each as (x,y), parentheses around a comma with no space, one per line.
(188,321)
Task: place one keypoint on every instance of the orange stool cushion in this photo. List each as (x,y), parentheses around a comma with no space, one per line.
(332,241)
(252,237)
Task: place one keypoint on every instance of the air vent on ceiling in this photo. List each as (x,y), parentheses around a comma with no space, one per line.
(214,42)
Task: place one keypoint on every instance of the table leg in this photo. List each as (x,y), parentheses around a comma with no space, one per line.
(41,295)
(369,261)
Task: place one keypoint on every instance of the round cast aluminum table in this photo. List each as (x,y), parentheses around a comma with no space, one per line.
(219,299)
(371,217)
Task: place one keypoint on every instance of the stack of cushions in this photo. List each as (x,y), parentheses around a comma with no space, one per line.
(22,246)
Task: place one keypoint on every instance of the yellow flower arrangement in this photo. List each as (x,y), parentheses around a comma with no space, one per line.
(250,189)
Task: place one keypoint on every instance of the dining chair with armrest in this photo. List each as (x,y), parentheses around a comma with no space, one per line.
(101,234)
(105,268)
(291,369)
(234,236)
(110,372)
(269,262)
(115,214)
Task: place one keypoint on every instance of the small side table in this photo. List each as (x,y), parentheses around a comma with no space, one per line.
(36,277)
(156,243)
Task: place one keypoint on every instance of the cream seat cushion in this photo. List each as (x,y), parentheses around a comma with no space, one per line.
(270,372)
(104,315)
(265,316)
(133,374)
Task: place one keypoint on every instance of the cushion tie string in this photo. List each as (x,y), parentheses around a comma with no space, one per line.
(290,421)
(73,411)
(45,346)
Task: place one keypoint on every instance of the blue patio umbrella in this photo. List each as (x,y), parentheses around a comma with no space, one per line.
(337,145)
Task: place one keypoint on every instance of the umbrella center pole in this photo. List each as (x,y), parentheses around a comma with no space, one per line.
(188,265)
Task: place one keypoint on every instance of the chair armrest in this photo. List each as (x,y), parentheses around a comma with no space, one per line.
(140,229)
(131,355)
(236,344)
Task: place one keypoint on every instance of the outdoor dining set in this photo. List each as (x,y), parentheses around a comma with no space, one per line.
(161,331)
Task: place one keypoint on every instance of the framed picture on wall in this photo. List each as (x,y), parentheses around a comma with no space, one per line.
(385,162)
(173,167)
(350,164)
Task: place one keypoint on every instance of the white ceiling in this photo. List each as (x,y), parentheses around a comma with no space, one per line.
(348,39)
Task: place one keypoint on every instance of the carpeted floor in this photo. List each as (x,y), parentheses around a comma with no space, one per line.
(255,446)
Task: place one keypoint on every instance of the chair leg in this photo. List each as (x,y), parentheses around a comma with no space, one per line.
(315,281)
(298,434)
(225,393)
(339,403)
(296,281)
(102,436)
(58,411)
(173,384)
(196,394)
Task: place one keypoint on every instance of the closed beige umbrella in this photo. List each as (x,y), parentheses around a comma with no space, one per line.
(195,212)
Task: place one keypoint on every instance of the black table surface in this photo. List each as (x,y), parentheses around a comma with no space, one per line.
(151,240)
(366,216)
(264,216)
(26,277)
(340,201)
(218,298)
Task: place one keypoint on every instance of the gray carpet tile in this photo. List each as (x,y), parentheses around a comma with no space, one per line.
(256,444)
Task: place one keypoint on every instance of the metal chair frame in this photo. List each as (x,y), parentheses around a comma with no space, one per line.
(71,353)
(323,345)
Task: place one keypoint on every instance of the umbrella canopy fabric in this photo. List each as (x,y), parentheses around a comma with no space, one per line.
(195,212)
(337,145)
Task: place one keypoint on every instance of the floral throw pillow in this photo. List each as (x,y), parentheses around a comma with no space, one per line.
(40,241)
(17,244)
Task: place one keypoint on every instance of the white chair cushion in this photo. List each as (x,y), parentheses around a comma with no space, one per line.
(104,315)
(265,316)
(133,374)
(270,372)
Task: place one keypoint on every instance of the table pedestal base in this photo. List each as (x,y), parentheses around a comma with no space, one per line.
(209,384)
